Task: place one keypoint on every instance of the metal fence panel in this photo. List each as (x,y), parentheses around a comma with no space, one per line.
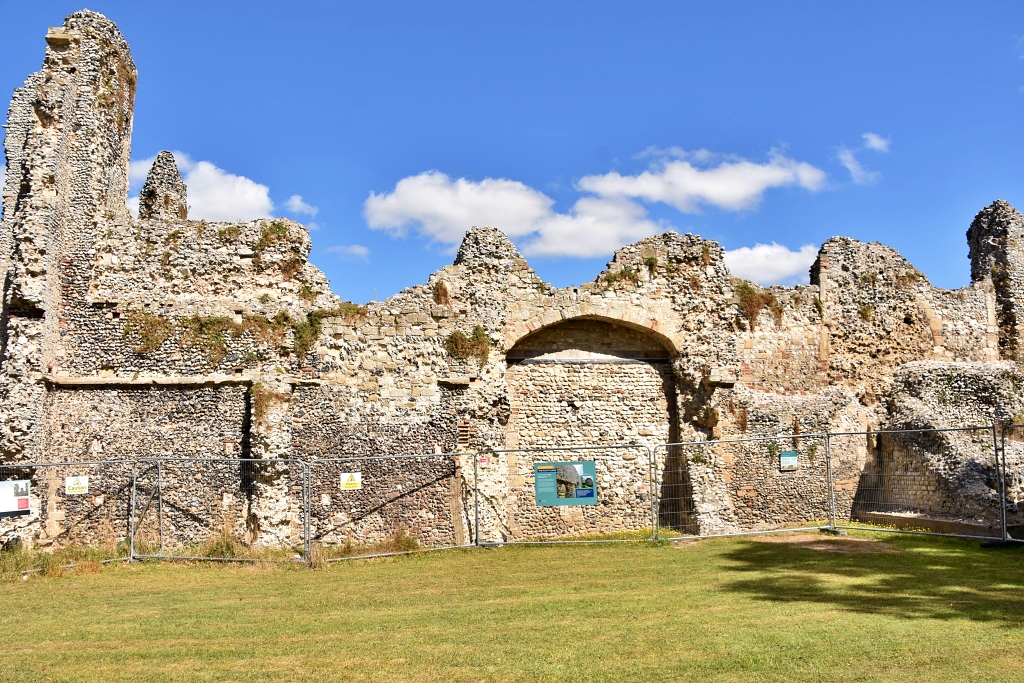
(942,481)
(217,508)
(516,507)
(720,487)
(362,506)
(83,504)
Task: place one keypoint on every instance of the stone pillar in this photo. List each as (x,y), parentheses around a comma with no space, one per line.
(994,239)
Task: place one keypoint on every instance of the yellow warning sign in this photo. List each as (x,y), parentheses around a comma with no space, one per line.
(76,486)
(350,481)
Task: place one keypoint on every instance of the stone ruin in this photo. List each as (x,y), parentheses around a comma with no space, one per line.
(125,339)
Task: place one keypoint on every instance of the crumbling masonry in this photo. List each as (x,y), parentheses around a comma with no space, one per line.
(164,336)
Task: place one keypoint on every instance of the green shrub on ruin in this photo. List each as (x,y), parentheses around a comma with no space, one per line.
(626,273)
(229,234)
(866,311)
(462,347)
(307,293)
(150,331)
(753,301)
(263,398)
(652,264)
(306,332)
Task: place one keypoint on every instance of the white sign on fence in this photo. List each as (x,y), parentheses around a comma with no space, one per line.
(14,497)
(76,486)
(350,481)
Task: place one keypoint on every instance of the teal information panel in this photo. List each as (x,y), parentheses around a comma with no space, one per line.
(565,483)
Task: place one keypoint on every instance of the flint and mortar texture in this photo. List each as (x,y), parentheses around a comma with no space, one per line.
(164,195)
(165,336)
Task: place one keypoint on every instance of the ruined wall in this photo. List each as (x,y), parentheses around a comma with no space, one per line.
(67,145)
(169,335)
(129,423)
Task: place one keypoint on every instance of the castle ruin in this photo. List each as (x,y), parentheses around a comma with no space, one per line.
(125,338)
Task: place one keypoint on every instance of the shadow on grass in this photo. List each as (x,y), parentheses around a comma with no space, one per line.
(914,579)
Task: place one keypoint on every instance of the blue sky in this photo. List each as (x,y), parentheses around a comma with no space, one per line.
(576,127)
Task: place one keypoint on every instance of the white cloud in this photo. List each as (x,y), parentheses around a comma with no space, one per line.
(734,184)
(213,194)
(773,263)
(442,208)
(350,251)
(876,142)
(296,205)
(858,173)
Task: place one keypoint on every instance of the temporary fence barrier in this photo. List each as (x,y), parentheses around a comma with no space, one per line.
(567,494)
(748,485)
(208,508)
(84,503)
(964,482)
(927,481)
(369,506)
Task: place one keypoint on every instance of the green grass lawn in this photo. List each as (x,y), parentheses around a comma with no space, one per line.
(910,608)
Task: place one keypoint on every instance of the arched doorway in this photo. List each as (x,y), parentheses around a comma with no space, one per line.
(589,382)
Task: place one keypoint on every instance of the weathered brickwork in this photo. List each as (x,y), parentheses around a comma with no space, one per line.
(164,336)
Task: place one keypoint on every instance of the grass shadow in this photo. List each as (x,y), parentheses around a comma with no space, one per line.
(911,578)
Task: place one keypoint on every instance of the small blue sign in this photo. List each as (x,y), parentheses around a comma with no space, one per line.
(788,461)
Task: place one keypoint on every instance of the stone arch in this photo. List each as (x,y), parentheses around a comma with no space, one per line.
(593,380)
(649,323)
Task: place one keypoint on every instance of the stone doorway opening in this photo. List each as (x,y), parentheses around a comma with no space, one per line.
(588,382)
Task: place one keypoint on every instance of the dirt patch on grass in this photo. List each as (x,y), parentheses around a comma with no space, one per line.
(831,544)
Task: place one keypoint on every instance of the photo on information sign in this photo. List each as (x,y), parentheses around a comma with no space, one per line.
(565,483)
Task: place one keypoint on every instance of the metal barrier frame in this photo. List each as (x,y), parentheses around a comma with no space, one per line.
(655,504)
(997,448)
(73,463)
(159,461)
(998,432)
(557,449)
(309,481)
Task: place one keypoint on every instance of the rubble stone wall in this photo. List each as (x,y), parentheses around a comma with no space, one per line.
(165,335)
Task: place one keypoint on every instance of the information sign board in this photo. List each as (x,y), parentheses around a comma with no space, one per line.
(788,461)
(565,483)
(76,486)
(14,497)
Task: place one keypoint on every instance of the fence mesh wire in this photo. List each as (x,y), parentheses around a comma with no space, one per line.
(565,494)
(218,508)
(378,505)
(965,482)
(84,504)
(744,485)
(929,480)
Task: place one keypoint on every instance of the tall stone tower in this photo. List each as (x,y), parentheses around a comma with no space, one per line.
(67,147)
(996,242)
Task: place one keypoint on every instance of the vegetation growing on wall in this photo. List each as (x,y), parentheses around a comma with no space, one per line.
(307,331)
(146,332)
(753,302)
(626,273)
(462,347)
(263,398)
(229,234)
(441,295)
